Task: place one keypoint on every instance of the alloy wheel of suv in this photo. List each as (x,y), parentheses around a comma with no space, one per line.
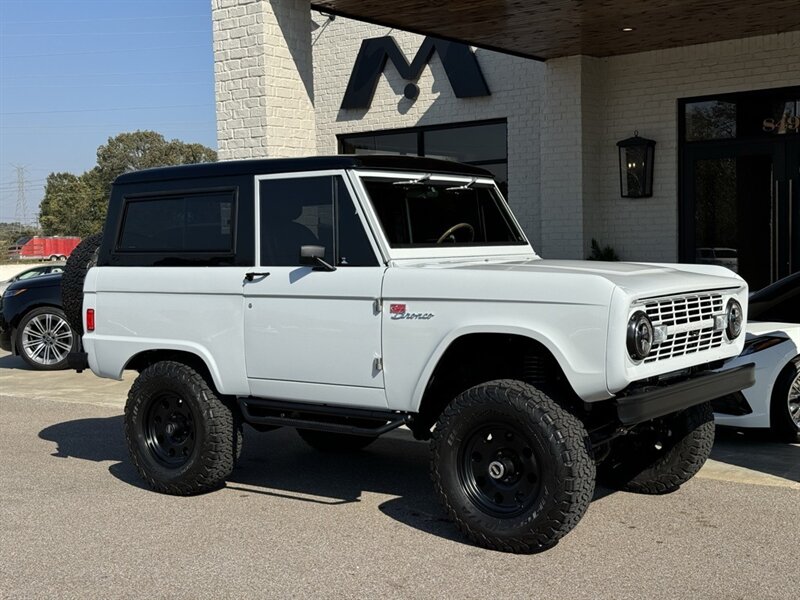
(44,339)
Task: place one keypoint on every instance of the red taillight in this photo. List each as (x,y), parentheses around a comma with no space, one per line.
(89,319)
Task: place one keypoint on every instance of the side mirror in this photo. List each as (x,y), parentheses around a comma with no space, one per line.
(314,256)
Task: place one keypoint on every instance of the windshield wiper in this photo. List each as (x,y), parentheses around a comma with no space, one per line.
(419,181)
(466,186)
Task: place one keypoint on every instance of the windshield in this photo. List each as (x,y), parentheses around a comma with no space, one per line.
(418,213)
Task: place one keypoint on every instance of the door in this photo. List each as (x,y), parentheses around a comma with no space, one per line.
(740,208)
(313,334)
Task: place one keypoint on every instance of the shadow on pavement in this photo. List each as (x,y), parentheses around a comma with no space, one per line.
(753,449)
(10,361)
(98,440)
(279,464)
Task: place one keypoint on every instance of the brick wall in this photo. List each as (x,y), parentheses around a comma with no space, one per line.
(641,92)
(263,78)
(564,116)
(515,86)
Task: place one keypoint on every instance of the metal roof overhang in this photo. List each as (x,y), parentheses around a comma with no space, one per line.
(544,29)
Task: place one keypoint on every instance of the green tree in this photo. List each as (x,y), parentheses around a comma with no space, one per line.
(77,204)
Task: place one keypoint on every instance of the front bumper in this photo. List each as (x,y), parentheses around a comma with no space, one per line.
(5,338)
(653,402)
(5,332)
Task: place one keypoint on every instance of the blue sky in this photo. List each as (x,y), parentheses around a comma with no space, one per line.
(75,72)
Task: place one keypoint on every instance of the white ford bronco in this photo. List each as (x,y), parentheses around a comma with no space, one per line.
(347,296)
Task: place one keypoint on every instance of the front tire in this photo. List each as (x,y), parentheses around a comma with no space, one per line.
(44,339)
(660,456)
(511,467)
(785,403)
(182,438)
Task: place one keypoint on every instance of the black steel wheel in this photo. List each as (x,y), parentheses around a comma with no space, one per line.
(182,437)
(511,467)
(499,469)
(169,429)
(785,403)
(659,456)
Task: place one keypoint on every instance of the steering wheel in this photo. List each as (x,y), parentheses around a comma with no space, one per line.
(455,228)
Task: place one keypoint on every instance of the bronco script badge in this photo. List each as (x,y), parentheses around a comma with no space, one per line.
(398,311)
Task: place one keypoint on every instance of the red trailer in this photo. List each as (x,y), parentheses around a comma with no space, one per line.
(43,248)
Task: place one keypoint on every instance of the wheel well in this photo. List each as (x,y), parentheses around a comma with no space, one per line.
(480,357)
(144,359)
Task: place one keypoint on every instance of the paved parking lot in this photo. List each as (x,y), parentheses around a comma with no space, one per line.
(75,520)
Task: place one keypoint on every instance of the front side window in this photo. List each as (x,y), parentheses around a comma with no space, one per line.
(178,224)
(302,211)
(426,213)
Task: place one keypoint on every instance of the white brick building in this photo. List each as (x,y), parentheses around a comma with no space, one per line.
(282,70)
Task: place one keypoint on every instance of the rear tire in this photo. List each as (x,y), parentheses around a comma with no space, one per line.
(182,438)
(659,456)
(83,258)
(511,467)
(785,403)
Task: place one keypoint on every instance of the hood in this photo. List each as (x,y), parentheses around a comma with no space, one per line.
(637,279)
(42,281)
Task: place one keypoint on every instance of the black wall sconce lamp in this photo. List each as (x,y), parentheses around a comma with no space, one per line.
(636,155)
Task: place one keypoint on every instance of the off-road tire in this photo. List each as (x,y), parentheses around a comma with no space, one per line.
(326,441)
(216,440)
(556,441)
(783,428)
(635,464)
(82,258)
(42,313)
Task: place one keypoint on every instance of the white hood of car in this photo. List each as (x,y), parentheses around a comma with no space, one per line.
(759,328)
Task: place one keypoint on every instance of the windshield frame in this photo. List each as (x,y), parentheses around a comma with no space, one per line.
(445,250)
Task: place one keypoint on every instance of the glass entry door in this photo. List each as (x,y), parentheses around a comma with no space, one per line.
(740,174)
(741,208)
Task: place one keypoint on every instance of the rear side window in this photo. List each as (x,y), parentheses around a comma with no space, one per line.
(180,223)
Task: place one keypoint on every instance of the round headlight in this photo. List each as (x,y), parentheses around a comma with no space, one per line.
(735,319)
(640,336)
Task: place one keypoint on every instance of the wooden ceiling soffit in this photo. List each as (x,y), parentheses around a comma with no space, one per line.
(543,29)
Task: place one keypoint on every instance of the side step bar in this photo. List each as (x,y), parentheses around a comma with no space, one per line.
(321,417)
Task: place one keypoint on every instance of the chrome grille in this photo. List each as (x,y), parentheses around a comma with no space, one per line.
(679,314)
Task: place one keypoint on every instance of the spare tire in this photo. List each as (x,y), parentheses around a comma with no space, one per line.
(83,258)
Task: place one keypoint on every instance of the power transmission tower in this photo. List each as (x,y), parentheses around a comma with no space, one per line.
(21,212)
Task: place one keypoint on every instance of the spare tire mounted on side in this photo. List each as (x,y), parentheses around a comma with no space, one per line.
(83,258)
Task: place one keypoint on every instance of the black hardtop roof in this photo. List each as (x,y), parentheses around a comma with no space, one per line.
(266,166)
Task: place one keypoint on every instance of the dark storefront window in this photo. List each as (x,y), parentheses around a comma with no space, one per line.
(483,144)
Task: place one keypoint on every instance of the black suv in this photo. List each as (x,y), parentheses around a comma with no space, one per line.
(33,325)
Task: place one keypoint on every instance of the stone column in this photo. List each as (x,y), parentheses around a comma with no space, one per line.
(572,111)
(264,78)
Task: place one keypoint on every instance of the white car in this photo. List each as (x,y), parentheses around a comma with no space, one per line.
(773,344)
